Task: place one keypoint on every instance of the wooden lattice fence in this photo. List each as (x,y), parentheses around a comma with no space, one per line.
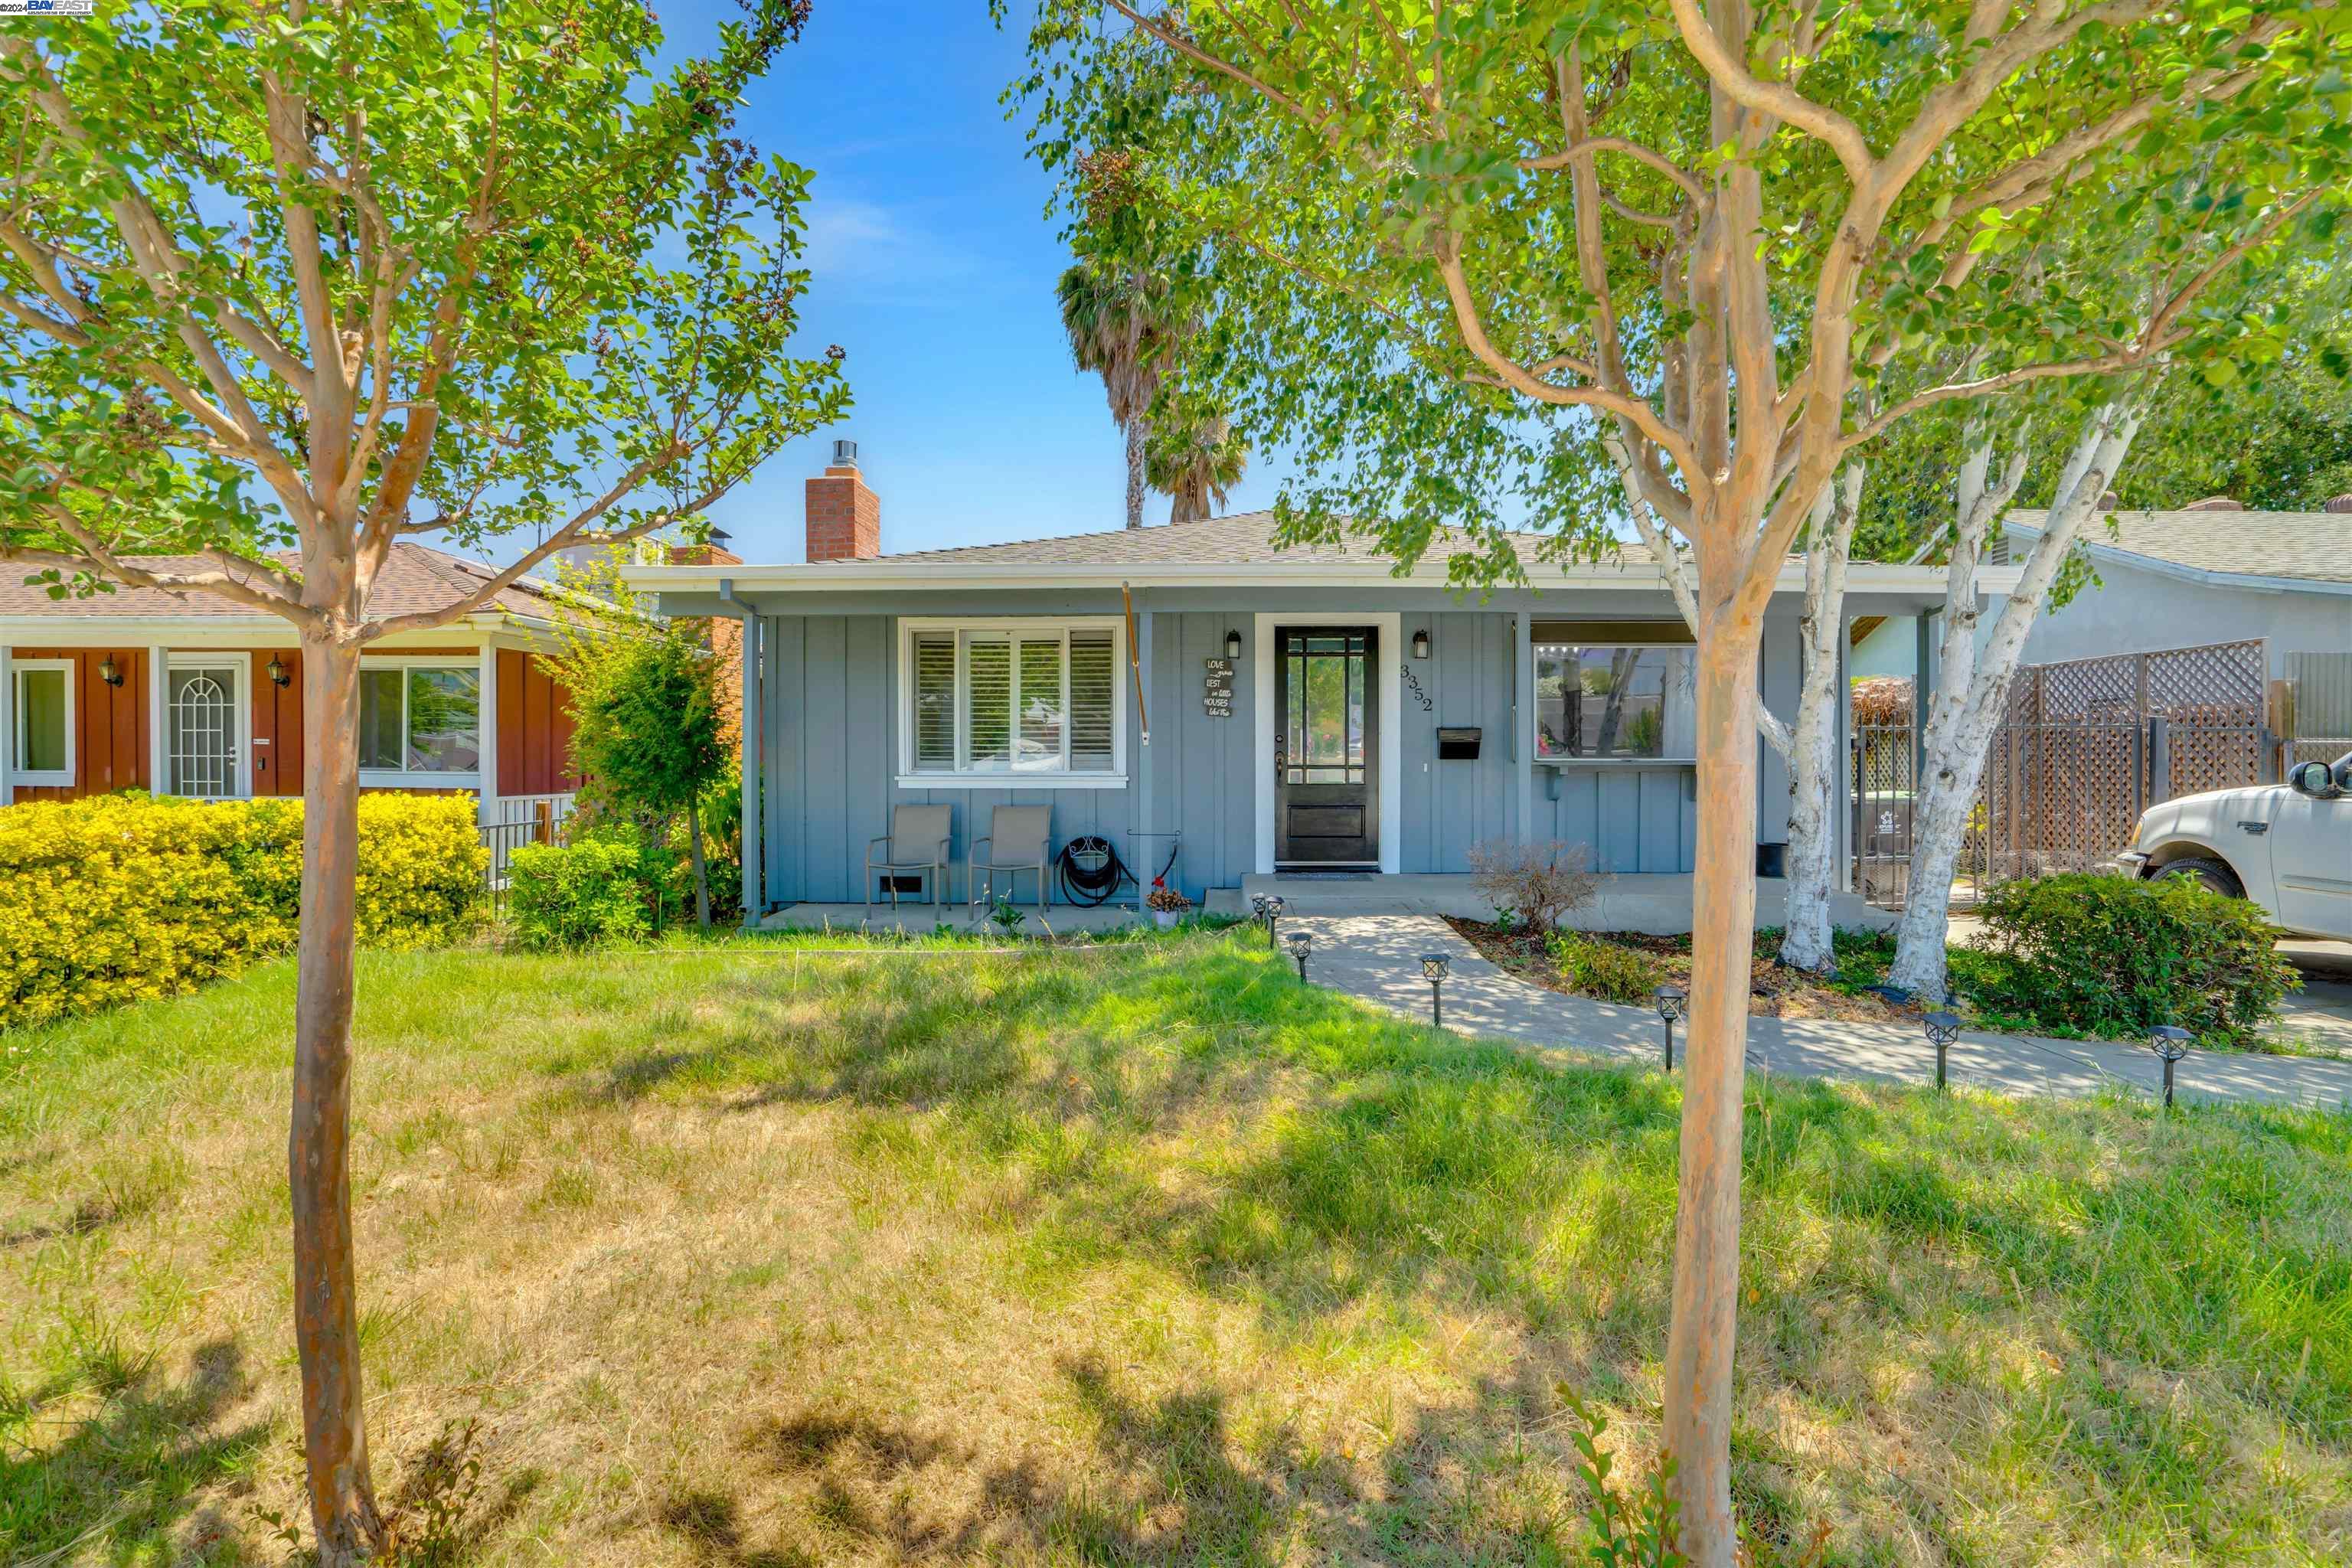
(2084,748)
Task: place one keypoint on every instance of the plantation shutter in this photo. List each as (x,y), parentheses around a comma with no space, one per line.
(935,709)
(1094,697)
(1041,701)
(989,661)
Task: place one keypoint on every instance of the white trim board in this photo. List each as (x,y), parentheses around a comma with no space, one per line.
(1390,623)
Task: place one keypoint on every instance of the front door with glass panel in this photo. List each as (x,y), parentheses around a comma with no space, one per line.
(1325,747)
(201,730)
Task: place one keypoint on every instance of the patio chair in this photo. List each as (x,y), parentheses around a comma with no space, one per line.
(918,841)
(1015,842)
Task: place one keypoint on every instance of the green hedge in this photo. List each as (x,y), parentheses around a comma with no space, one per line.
(581,894)
(2113,956)
(121,898)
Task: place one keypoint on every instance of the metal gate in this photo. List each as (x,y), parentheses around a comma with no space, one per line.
(2085,747)
(1884,767)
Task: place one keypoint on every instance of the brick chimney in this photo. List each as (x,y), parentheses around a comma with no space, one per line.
(845,518)
(714,553)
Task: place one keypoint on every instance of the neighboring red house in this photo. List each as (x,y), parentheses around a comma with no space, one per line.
(198,696)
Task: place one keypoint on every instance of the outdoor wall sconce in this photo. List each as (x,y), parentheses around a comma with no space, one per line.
(1943,1028)
(279,676)
(2171,1043)
(1670,1000)
(1420,642)
(109,671)
(1299,943)
(1433,965)
(1233,644)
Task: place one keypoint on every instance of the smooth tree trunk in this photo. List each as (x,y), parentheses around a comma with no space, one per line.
(1700,1343)
(1806,938)
(326,1298)
(701,871)
(1972,689)
(1809,752)
(1138,433)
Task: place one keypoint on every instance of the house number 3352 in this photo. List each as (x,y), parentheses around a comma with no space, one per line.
(1414,685)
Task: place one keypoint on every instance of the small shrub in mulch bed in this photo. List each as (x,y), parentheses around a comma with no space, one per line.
(1627,966)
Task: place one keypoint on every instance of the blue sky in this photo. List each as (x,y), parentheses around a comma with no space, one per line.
(934,268)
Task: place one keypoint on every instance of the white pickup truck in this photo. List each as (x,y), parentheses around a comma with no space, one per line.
(2287,846)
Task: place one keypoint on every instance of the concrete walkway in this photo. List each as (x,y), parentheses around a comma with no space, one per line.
(1377,957)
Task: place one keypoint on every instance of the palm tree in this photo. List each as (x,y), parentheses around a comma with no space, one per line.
(1196,466)
(1116,319)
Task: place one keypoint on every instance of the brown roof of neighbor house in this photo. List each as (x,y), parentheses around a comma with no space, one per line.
(2309,546)
(414,577)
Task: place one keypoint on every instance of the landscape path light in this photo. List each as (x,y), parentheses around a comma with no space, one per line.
(2171,1043)
(1299,943)
(1433,965)
(1272,915)
(1943,1028)
(1670,1000)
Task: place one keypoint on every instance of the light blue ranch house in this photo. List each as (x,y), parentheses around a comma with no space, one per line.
(1191,689)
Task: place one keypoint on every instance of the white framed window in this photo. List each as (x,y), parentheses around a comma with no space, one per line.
(1017,701)
(204,727)
(420,722)
(41,699)
(1617,701)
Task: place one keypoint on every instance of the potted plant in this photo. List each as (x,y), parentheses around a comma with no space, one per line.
(1168,905)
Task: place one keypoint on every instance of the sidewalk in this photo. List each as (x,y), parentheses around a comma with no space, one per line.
(1378,958)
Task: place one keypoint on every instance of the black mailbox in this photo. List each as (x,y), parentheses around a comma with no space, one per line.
(1458,742)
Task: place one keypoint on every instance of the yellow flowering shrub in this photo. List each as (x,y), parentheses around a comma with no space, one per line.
(121,898)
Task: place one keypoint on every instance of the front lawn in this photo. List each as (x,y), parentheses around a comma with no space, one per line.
(1142,1254)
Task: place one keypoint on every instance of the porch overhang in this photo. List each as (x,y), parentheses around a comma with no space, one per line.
(704,590)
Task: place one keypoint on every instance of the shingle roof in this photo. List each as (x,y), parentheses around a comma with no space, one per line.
(1241,538)
(2309,546)
(414,577)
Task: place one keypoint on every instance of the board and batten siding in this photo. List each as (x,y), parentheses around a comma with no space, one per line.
(832,718)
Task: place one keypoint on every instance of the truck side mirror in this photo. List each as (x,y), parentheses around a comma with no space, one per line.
(2315,779)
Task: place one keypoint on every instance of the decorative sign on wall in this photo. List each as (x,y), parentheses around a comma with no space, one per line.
(1217,689)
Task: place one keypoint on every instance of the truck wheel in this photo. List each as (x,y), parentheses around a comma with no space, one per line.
(2210,874)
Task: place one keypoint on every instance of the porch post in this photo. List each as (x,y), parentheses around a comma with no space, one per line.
(1922,686)
(1522,753)
(1145,819)
(754,794)
(7,730)
(1841,823)
(159,748)
(485,732)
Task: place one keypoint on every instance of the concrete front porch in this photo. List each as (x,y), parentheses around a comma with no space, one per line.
(919,919)
(1654,905)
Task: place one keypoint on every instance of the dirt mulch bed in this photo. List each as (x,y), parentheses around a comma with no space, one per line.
(1774,991)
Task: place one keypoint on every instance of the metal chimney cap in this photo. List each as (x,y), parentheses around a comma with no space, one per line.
(845,454)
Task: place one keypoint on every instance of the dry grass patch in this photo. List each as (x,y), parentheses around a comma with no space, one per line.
(1144,1256)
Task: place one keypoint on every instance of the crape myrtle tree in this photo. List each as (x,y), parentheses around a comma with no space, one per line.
(1447,247)
(286,284)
